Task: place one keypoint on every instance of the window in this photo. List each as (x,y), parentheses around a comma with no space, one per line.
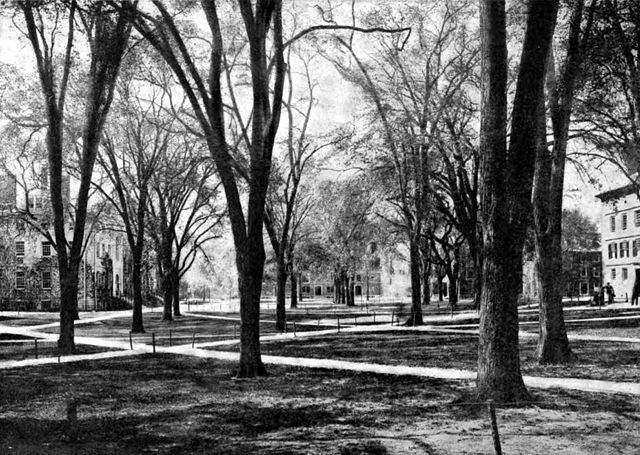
(329,289)
(358,277)
(636,217)
(624,221)
(613,274)
(615,250)
(584,288)
(634,245)
(46,279)
(35,202)
(610,250)
(583,271)
(624,249)
(21,281)
(612,223)
(596,272)
(46,249)
(625,274)
(19,247)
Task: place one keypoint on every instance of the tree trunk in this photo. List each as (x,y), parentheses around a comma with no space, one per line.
(453,281)
(507,180)
(294,290)
(281,282)
(440,288)
(299,289)
(477,280)
(250,271)
(175,292)
(553,344)
(68,309)
(167,297)
(426,280)
(350,288)
(137,325)
(416,305)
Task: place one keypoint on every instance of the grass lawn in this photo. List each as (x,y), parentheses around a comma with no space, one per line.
(175,405)
(24,348)
(595,359)
(178,331)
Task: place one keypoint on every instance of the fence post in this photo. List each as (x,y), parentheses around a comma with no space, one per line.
(393,314)
(294,329)
(170,337)
(338,324)
(193,340)
(374,317)
(130,341)
(494,429)
(36,341)
(153,341)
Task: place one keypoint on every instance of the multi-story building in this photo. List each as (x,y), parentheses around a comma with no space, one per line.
(28,266)
(620,229)
(581,273)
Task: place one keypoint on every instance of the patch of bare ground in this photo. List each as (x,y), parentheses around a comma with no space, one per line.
(174,405)
(601,360)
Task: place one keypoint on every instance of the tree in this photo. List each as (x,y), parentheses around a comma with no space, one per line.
(261,63)
(345,221)
(284,213)
(132,147)
(107,32)
(410,83)
(507,175)
(553,343)
(183,213)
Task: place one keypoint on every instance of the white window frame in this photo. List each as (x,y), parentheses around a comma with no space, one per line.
(43,280)
(23,277)
(46,249)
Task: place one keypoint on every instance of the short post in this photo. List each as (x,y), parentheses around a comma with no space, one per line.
(318,321)
(338,324)
(355,320)
(170,337)
(235,329)
(58,355)
(36,342)
(130,341)
(294,329)
(494,429)
(193,340)
(414,319)
(153,341)
(374,317)
(393,314)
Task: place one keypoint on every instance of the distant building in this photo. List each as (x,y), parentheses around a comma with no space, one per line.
(581,273)
(620,228)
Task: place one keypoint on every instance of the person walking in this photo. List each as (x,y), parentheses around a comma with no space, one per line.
(610,293)
(635,292)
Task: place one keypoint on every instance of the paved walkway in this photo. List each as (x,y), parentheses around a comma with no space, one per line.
(123,350)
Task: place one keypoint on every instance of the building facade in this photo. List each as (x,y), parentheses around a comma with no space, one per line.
(29,278)
(620,229)
(581,273)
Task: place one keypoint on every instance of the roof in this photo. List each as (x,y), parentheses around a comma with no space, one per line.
(617,193)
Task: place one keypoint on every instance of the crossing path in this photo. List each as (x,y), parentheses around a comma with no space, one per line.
(123,349)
